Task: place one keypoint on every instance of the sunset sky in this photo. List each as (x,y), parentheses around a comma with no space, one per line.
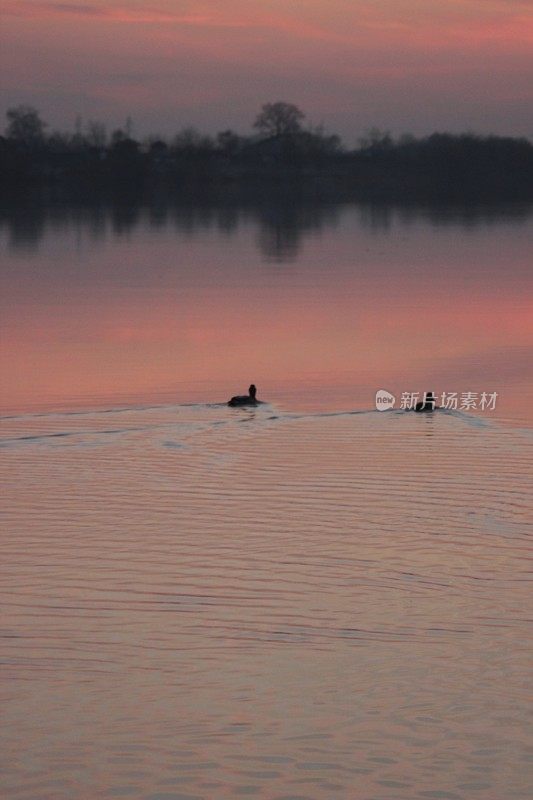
(402,65)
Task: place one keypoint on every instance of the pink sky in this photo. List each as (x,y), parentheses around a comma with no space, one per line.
(403,65)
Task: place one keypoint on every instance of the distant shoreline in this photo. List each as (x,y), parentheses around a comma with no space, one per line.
(441,167)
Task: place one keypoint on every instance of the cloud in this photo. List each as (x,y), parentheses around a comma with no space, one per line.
(427,25)
(115,12)
(17,8)
(69,8)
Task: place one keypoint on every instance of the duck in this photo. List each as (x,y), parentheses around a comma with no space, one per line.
(428,404)
(245,399)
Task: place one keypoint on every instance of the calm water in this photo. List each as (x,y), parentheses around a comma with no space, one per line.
(306,600)
(318,305)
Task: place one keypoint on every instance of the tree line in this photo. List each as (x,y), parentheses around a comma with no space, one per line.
(282,147)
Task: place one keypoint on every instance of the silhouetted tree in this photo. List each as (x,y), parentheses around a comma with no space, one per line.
(190,140)
(125,162)
(58,142)
(25,126)
(96,134)
(157,147)
(325,143)
(123,147)
(229,142)
(278,119)
(376,140)
(443,165)
(117,136)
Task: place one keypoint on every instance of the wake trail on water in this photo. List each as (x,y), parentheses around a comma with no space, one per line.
(59,428)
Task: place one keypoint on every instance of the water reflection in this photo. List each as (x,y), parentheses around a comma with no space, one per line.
(318,303)
(284,219)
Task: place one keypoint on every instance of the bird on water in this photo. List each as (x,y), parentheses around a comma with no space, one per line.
(245,399)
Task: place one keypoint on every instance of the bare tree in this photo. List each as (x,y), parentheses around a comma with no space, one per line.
(96,134)
(229,142)
(277,119)
(376,139)
(25,125)
(192,140)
